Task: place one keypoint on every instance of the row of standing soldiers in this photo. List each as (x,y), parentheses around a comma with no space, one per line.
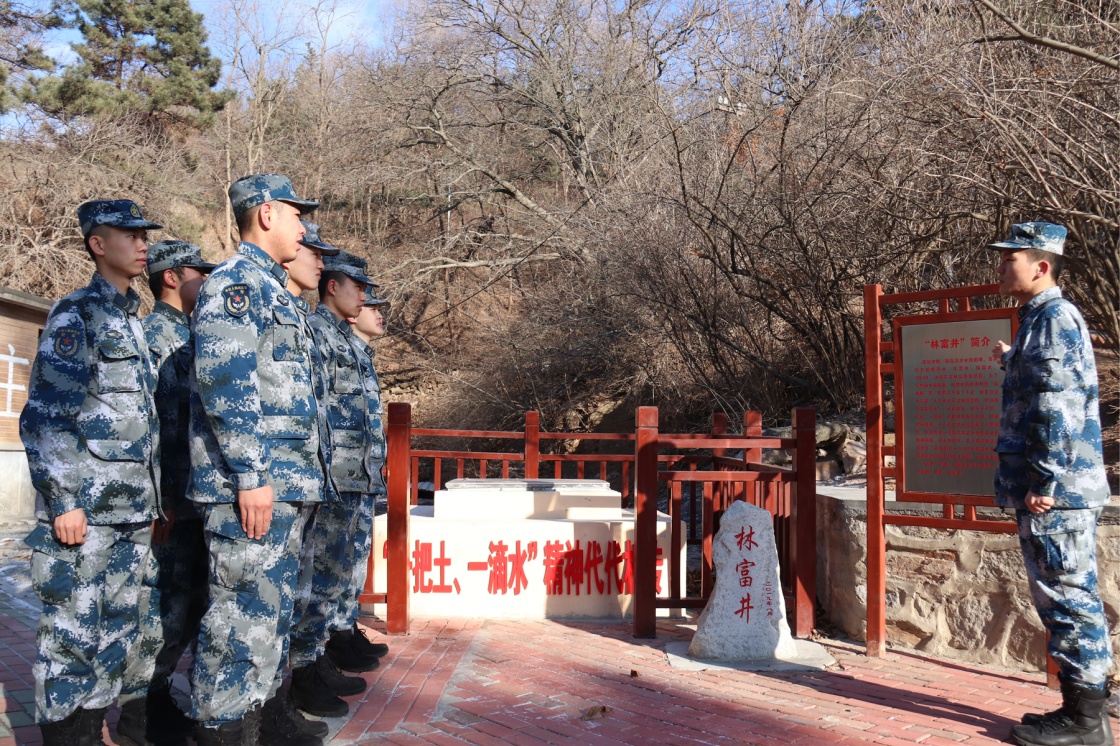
(206,479)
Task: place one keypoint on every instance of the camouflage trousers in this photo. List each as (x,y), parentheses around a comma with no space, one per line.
(326,575)
(252,587)
(348,608)
(171,609)
(1060,553)
(90,619)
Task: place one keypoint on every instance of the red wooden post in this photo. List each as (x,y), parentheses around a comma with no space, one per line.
(396,567)
(803,512)
(719,430)
(645,524)
(876,534)
(752,428)
(532,444)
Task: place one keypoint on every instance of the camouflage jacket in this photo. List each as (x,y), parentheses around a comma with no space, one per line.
(321,379)
(1051,409)
(169,337)
(253,409)
(350,423)
(90,425)
(377,417)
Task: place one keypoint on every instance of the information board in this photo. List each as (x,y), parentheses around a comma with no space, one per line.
(951,397)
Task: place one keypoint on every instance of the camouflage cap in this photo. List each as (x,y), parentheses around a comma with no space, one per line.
(352,266)
(250,191)
(312,239)
(1041,236)
(373,300)
(172,254)
(118,213)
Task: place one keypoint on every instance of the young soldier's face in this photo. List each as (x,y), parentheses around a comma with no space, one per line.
(120,251)
(287,230)
(1017,273)
(305,268)
(349,294)
(189,287)
(370,322)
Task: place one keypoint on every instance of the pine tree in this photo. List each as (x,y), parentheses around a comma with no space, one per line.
(136,56)
(20,48)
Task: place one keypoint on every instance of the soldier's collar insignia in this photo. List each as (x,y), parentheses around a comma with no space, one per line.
(114,334)
(283,299)
(66,341)
(236,299)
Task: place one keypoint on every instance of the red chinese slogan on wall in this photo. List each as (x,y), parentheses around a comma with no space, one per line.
(566,568)
(951,397)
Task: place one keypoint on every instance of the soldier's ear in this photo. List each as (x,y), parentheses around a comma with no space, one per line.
(96,243)
(170,279)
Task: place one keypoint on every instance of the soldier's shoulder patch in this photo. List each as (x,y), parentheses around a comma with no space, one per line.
(236,299)
(66,341)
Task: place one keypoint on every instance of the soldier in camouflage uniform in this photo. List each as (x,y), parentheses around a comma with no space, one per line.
(348,646)
(91,432)
(1051,473)
(281,722)
(173,608)
(254,458)
(327,566)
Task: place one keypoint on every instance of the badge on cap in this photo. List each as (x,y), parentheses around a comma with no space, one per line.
(237,299)
(135,211)
(66,343)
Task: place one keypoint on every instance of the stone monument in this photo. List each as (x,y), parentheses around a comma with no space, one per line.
(745,618)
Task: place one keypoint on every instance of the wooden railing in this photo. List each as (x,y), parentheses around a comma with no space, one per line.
(696,465)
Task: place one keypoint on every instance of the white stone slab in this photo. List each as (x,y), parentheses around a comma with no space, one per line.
(488,566)
(745,618)
(503,499)
(807,656)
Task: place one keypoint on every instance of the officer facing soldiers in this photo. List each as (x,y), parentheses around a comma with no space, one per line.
(327,566)
(171,612)
(91,432)
(348,645)
(1051,472)
(254,458)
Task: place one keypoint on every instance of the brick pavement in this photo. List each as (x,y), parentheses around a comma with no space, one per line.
(514,682)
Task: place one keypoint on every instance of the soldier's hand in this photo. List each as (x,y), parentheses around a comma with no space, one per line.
(1001,348)
(70,527)
(256,510)
(161,530)
(1038,503)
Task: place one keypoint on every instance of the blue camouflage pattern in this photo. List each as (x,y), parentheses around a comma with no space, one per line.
(90,426)
(1059,551)
(91,599)
(312,239)
(168,333)
(253,407)
(1040,236)
(1050,421)
(164,255)
(117,213)
(352,266)
(172,607)
(254,190)
(349,608)
(242,639)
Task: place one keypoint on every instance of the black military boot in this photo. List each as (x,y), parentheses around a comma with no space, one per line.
(312,695)
(280,707)
(280,728)
(1082,721)
(351,654)
(226,734)
(338,682)
(65,732)
(132,728)
(92,724)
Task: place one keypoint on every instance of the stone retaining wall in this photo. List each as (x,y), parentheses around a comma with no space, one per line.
(954,594)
